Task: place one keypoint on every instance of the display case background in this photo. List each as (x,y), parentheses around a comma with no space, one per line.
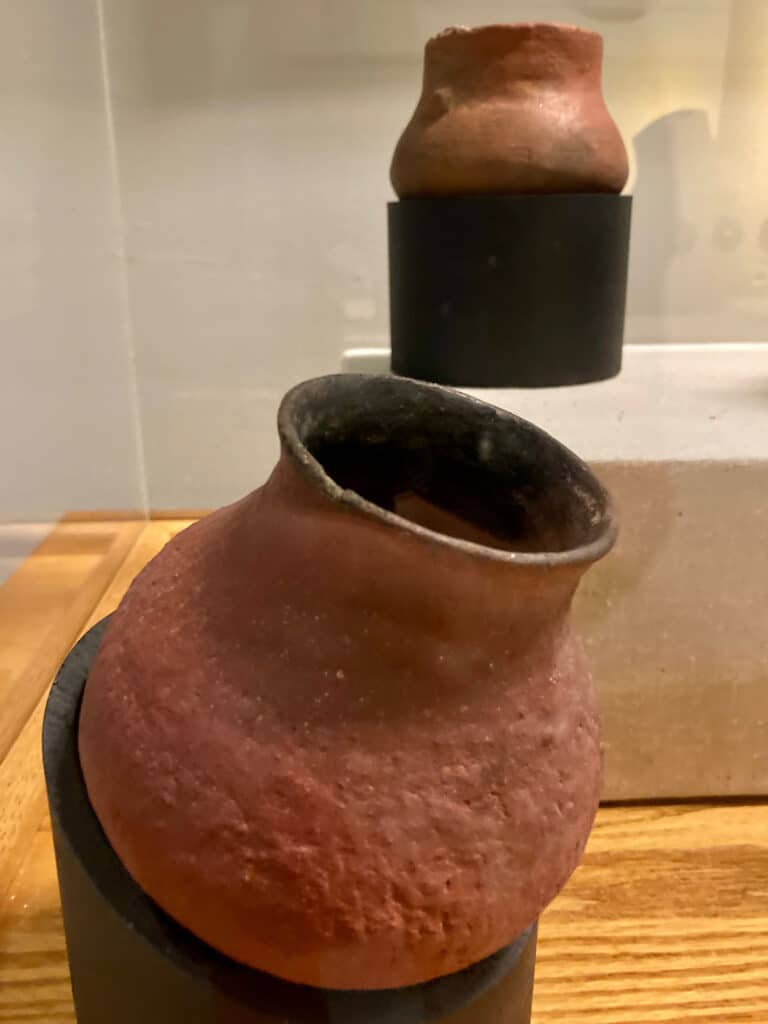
(193,199)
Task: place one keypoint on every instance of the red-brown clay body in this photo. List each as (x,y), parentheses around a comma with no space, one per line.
(341,747)
(510,109)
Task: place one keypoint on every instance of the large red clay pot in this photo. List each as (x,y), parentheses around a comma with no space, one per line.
(510,109)
(342,729)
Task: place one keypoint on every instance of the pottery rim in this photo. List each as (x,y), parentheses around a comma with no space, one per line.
(593,497)
(462,33)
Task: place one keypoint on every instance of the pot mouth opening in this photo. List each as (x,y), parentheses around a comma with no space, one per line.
(446,466)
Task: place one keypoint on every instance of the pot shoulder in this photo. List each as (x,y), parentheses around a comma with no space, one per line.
(550,142)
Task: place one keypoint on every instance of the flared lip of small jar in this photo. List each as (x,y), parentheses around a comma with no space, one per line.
(300,399)
(514,31)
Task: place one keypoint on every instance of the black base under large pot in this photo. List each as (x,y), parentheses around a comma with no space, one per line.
(131,964)
(508,291)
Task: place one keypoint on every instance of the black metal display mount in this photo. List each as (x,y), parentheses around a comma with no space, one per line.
(508,291)
(132,963)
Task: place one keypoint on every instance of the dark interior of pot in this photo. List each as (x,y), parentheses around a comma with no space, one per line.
(448,462)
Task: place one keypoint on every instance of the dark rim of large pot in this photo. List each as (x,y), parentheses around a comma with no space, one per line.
(359,438)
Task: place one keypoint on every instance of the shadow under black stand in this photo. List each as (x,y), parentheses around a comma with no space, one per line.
(508,291)
(132,964)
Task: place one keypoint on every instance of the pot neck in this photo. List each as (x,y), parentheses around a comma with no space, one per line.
(500,58)
(416,574)
(447,469)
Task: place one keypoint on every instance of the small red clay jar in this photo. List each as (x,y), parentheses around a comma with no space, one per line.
(510,109)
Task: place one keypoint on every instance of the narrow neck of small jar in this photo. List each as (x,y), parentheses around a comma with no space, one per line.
(509,59)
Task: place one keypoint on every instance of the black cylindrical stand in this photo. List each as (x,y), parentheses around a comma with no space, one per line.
(131,963)
(508,291)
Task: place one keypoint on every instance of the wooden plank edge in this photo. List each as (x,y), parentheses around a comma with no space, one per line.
(21,782)
(57,640)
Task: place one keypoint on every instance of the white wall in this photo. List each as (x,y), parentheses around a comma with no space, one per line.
(251,143)
(67,416)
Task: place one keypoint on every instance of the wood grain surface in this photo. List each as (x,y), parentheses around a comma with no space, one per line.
(665,921)
(43,607)
(44,604)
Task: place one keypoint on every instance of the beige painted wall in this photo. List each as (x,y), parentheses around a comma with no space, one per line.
(67,411)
